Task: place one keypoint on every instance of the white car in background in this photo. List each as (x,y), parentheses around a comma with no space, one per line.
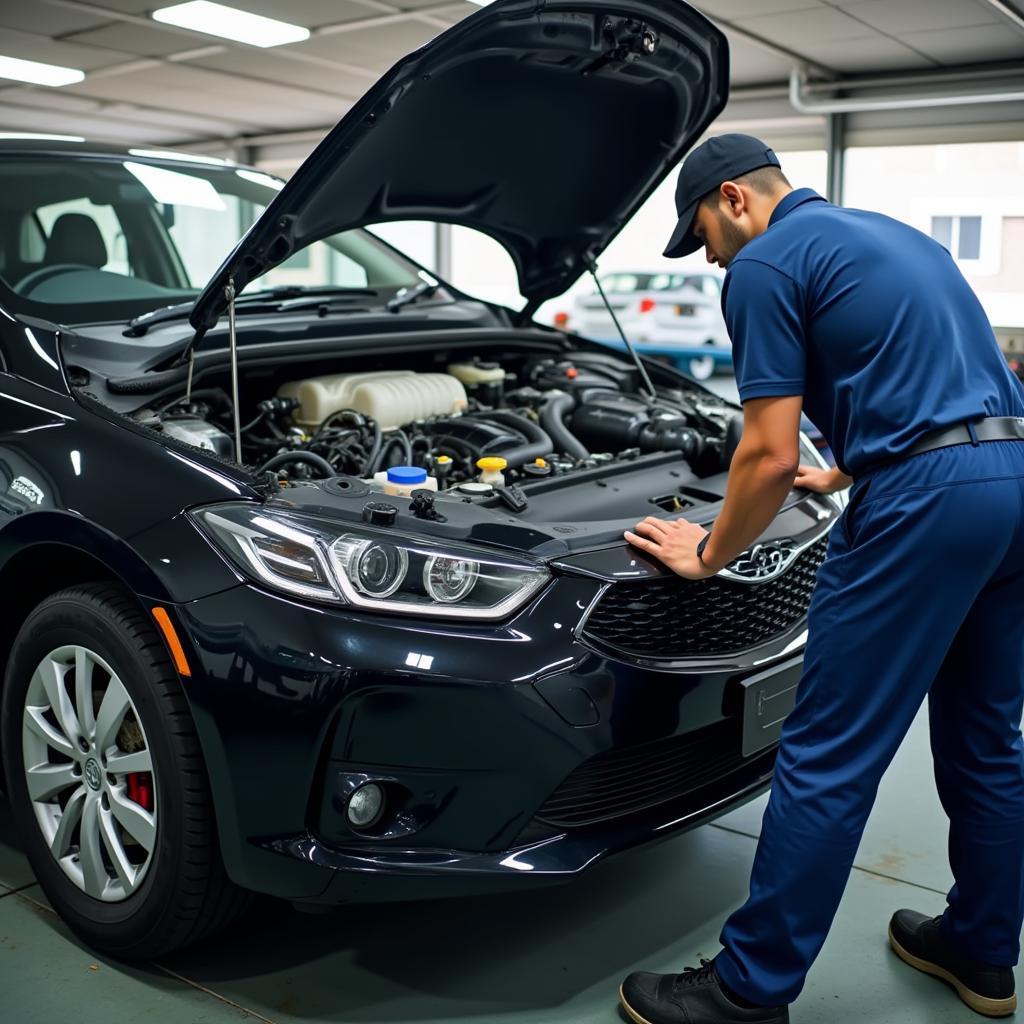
(674,316)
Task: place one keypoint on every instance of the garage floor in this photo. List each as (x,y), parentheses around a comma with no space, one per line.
(553,956)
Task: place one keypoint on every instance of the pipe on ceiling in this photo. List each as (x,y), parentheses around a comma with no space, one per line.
(801,101)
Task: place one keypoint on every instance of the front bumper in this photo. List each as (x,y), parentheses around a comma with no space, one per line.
(474,726)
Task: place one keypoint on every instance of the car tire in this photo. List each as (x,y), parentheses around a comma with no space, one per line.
(136,872)
(702,367)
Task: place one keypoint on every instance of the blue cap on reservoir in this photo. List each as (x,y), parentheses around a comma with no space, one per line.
(406,475)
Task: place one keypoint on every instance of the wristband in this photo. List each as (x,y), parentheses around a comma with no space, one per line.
(700,549)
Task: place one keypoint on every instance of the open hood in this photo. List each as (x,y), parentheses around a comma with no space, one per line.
(544,125)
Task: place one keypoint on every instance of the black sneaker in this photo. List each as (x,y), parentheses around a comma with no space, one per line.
(693,997)
(918,941)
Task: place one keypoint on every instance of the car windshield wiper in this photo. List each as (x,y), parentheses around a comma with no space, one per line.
(273,297)
(404,298)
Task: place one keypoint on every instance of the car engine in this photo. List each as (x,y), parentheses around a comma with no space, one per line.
(547,417)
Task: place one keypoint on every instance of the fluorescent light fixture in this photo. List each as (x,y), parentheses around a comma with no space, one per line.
(41,136)
(231,23)
(259,178)
(480,3)
(174,188)
(171,154)
(38,74)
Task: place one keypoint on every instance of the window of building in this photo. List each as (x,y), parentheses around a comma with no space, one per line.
(960,235)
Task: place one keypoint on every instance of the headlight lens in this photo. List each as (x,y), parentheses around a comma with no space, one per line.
(367,568)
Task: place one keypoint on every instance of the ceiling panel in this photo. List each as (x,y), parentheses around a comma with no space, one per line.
(730,9)
(917,15)
(861,56)
(133,39)
(799,30)
(749,64)
(269,67)
(310,13)
(376,48)
(44,19)
(965,45)
(33,46)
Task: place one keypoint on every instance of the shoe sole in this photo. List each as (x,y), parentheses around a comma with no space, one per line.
(979,1004)
(629,1009)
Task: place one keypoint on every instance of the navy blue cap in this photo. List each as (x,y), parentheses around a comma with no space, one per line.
(719,159)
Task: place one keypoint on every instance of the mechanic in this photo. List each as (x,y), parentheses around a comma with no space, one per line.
(870,326)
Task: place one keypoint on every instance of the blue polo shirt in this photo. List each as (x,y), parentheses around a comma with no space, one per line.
(871,321)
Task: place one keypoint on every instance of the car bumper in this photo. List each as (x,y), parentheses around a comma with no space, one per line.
(470,729)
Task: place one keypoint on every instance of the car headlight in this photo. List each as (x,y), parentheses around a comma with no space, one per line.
(367,568)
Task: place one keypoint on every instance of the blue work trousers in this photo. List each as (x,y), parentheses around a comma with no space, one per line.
(921,594)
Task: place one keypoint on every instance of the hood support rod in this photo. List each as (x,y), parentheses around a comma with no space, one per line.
(591,265)
(229,294)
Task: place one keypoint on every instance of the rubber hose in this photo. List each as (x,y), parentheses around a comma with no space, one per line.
(551,419)
(538,441)
(318,461)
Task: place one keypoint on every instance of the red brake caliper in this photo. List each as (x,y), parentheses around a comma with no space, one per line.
(140,789)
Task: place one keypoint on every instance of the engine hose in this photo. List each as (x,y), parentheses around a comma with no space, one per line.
(371,459)
(309,458)
(538,442)
(551,419)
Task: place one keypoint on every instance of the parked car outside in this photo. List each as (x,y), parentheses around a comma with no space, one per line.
(314,578)
(676,317)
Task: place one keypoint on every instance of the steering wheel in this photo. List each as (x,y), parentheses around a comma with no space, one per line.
(41,274)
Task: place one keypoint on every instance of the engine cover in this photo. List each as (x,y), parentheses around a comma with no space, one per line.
(391,397)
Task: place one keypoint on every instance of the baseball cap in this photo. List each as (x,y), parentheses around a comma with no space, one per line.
(719,159)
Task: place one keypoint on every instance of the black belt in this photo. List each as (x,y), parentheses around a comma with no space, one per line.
(991,428)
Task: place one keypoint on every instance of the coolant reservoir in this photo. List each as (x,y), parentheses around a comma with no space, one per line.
(476,373)
(391,397)
(401,481)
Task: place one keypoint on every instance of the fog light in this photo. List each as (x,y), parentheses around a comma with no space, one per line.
(365,805)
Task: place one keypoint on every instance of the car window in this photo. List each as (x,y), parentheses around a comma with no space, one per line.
(88,239)
(103,216)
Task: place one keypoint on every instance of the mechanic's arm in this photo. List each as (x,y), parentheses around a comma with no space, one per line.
(765,310)
(761,475)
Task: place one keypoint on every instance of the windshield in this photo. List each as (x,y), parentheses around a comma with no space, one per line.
(97,239)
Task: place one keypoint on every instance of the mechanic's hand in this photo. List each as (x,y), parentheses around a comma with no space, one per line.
(823,481)
(674,543)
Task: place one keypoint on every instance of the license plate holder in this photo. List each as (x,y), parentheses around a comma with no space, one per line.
(768,697)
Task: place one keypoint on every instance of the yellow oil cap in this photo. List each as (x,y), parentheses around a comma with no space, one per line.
(539,461)
(491,463)
(443,459)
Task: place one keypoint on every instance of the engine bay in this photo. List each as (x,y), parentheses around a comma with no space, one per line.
(513,432)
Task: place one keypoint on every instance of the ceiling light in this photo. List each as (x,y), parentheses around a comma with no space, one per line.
(480,3)
(38,74)
(173,154)
(230,23)
(42,136)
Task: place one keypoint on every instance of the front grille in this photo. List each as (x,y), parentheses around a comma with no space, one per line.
(671,617)
(630,779)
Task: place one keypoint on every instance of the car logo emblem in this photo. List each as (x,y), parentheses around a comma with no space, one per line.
(91,771)
(762,562)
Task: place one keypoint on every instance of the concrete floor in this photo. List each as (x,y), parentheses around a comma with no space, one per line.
(557,955)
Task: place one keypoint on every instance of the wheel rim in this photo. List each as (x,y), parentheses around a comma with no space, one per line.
(702,367)
(89,773)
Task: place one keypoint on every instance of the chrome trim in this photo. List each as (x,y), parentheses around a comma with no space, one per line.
(781,554)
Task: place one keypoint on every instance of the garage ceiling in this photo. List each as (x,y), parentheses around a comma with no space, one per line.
(159,84)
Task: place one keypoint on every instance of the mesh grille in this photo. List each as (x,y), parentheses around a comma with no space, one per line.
(672,617)
(630,779)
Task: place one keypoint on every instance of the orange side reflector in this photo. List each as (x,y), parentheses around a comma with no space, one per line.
(163,620)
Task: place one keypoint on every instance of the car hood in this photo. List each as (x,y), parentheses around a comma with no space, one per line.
(544,125)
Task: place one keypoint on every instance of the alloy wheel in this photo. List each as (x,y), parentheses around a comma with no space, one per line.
(89,773)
